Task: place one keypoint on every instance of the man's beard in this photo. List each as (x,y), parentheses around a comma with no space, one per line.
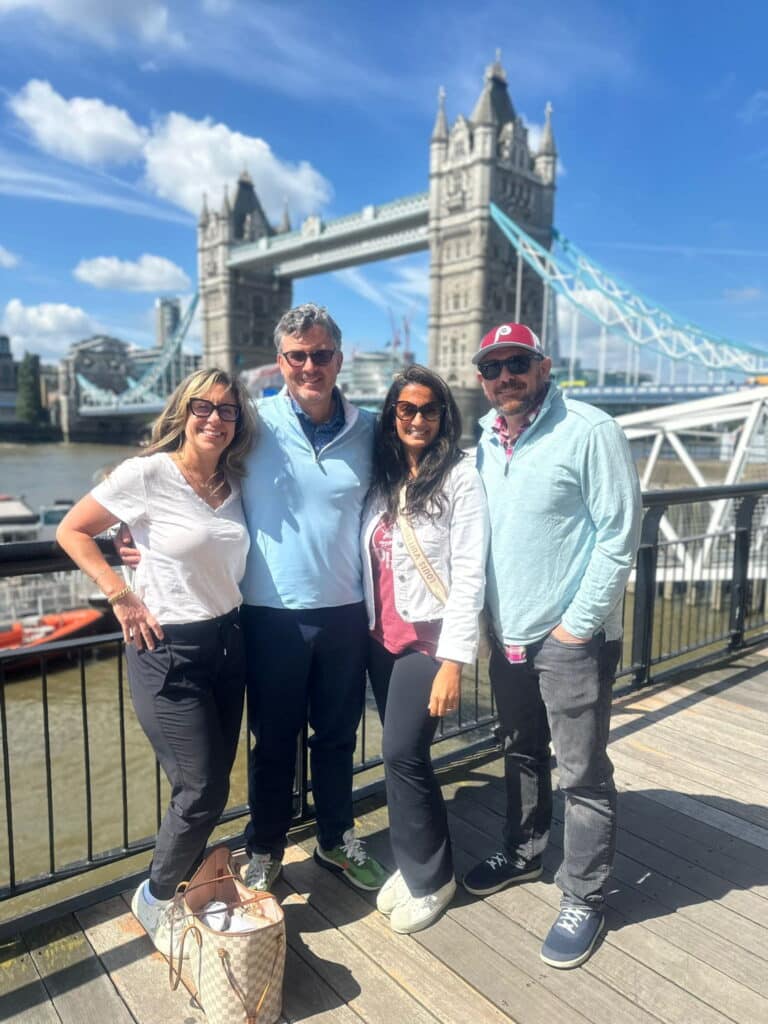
(528,401)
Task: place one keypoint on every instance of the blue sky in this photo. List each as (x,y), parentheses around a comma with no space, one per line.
(115,116)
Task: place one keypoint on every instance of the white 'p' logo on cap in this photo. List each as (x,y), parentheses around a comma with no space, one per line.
(502,332)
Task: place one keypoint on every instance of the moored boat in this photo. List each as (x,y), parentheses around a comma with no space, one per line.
(34,631)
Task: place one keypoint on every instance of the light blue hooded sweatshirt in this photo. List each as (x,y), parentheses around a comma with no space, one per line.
(303,510)
(565,522)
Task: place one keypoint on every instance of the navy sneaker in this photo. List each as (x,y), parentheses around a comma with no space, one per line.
(497,872)
(572,937)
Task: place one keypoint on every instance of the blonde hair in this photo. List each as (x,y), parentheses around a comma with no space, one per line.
(168,428)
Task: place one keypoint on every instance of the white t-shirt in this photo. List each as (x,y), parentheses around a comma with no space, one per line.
(192,556)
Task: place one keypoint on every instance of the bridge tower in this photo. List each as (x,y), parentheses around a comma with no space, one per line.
(475,279)
(239,307)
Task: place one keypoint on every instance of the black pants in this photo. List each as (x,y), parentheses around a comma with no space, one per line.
(418,824)
(188,696)
(303,664)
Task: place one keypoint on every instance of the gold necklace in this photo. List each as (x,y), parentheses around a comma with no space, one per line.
(210,485)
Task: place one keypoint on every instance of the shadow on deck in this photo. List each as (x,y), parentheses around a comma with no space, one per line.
(688,902)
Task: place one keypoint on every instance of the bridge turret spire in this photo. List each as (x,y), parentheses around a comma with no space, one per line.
(494,105)
(285,221)
(545,161)
(547,145)
(440,131)
(226,209)
(204,213)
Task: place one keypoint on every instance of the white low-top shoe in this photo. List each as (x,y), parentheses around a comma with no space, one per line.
(419,912)
(162,920)
(393,892)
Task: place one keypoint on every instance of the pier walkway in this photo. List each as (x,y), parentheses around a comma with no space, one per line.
(688,904)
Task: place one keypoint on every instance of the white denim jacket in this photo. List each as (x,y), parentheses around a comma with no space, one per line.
(455,543)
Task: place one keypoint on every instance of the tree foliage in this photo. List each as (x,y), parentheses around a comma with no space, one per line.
(29,405)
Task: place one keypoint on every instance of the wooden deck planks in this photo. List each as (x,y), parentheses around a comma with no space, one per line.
(687,939)
(137,970)
(23,997)
(78,985)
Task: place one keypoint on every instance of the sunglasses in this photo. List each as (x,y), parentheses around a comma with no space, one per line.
(408,411)
(320,357)
(202,408)
(492,368)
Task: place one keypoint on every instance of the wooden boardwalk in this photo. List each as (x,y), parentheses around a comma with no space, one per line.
(688,904)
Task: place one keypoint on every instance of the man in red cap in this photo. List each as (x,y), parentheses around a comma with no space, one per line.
(564,501)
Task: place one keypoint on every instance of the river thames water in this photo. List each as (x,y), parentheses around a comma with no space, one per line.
(41,473)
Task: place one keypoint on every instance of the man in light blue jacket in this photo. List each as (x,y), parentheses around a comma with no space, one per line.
(304,621)
(564,502)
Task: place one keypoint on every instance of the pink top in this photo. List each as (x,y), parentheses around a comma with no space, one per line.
(392,631)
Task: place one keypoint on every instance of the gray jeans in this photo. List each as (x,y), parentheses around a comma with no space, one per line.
(561,692)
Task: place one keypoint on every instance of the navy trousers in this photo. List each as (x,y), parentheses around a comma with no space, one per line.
(303,665)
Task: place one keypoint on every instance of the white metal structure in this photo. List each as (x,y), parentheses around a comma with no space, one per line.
(735,426)
(570,273)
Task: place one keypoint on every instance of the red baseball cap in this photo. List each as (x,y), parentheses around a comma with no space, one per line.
(509,336)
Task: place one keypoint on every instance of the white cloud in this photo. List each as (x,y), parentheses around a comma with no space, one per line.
(740,295)
(8,259)
(47,329)
(357,282)
(756,107)
(33,178)
(147,274)
(106,22)
(185,158)
(408,286)
(87,131)
(411,284)
(182,157)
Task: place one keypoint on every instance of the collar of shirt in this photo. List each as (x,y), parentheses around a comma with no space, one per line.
(321,434)
(508,439)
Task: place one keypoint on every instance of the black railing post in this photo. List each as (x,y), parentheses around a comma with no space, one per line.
(740,573)
(645,595)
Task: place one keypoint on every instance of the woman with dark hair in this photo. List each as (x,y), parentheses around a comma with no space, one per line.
(180,619)
(424,539)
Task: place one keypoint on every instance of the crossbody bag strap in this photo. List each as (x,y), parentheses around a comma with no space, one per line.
(431,578)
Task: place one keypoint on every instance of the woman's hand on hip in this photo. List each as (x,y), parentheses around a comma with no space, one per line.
(446,687)
(139,625)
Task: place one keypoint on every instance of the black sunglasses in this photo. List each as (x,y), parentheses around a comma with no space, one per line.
(320,357)
(408,411)
(491,369)
(202,408)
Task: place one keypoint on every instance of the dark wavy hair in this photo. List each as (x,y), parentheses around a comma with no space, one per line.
(424,493)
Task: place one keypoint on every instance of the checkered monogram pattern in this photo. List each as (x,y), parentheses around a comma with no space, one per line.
(238,974)
(241,976)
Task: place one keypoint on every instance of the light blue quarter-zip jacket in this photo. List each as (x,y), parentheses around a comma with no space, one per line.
(303,510)
(565,522)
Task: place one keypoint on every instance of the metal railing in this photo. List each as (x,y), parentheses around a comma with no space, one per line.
(80,787)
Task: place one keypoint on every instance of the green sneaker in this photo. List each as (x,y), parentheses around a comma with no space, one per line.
(351,860)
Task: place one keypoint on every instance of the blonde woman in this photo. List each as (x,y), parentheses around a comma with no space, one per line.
(180,621)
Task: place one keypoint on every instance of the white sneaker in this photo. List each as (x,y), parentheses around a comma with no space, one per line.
(419,912)
(261,872)
(393,891)
(162,920)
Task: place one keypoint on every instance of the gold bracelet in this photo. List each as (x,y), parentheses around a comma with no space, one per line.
(119,595)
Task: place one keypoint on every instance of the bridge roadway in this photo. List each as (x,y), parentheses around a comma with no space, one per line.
(688,903)
(611,398)
(374,233)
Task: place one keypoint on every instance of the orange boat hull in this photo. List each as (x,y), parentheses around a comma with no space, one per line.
(47,629)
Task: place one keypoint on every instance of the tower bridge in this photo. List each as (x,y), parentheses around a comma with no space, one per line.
(487,221)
